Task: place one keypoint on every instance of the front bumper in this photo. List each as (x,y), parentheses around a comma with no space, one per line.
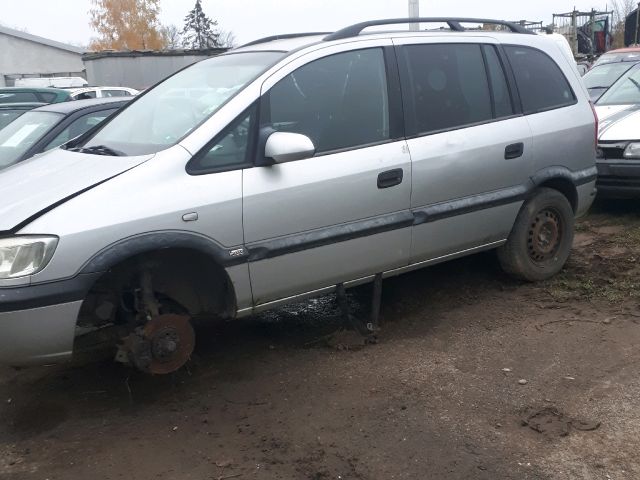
(37,322)
(618,179)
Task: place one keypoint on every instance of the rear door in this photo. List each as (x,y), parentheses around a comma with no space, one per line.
(343,214)
(470,145)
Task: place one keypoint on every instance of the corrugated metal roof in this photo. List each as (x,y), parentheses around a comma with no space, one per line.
(44,41)
(207,52)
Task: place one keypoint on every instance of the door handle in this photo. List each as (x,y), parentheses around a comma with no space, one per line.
(390,178)
(514,150)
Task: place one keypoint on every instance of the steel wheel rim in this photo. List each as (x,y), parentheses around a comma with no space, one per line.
(545,235)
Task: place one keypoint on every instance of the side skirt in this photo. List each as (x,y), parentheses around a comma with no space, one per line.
(245,312)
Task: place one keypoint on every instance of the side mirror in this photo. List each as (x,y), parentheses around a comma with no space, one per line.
(285,147)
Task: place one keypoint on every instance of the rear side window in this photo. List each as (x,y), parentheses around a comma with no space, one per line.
(17,97)
(541,83)
(85,95)
(448,86)
(339,102)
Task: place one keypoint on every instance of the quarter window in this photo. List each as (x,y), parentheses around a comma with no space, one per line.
(339,102)
(499,87)
(49,97)
(229,149)
(447,85)
(541,83)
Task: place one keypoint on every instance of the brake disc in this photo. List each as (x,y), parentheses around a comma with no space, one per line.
(163,345)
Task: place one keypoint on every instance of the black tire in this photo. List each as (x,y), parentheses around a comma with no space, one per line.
(540,241)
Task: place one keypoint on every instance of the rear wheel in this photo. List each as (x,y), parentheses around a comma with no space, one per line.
(541,238)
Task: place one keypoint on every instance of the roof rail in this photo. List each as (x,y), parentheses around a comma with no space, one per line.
(453,22)
(283,37)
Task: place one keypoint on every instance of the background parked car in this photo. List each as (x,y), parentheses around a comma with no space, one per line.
(101,92)
(10,111)
(630,54)
(50,126)
(601,77)
(42,95)
(56,82)
(618,160)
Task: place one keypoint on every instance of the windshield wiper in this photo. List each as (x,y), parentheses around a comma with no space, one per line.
(635,83)
(98,150)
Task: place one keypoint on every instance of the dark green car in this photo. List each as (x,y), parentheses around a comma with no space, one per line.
(40,95)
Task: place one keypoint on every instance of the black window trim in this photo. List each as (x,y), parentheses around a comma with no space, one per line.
(515,83)
(250,154)
(407,88)
(517,111)
(516,102)
(394,99)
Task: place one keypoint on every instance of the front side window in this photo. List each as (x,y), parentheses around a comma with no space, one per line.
(626,91)
(79,126)
(173,109)
(21,134)
(339,102)
(541,83)
(447,86)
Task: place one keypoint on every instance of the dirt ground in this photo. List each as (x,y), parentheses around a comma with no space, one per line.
(475,376)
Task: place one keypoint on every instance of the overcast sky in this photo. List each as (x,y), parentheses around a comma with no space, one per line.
(67,21)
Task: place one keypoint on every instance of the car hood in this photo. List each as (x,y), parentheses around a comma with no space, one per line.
(32,187)
(618,122)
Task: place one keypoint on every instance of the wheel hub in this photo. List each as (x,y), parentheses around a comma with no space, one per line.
(545,235)
(163,345)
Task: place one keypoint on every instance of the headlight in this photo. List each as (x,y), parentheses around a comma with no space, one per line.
(632,151)
(21,256)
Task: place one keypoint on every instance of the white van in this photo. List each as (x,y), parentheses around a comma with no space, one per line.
(56,82)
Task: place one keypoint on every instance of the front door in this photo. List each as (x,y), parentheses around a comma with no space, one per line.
(343,214)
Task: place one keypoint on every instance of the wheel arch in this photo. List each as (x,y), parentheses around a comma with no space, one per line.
(188,267)
(560,179)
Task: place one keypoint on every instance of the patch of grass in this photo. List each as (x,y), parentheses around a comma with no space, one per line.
(566,287)
(630,238)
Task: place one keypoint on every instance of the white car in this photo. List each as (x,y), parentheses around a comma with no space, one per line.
(618,160)
(101,92)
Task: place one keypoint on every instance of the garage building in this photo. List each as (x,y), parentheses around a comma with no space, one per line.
(23,55)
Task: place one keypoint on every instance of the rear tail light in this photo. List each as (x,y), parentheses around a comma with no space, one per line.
(595,116)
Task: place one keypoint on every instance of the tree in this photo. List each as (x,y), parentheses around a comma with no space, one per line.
(227,39)
(199,30)
(126,25)
(621,9)
(172,37)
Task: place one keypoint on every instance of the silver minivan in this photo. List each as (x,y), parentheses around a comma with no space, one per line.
(288,168)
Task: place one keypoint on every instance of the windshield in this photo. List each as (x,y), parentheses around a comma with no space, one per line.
(173,109)
(604,76)
(21,134)
(617,57)
(626,91)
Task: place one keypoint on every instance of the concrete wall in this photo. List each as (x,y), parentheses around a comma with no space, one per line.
(135,71)
(23,57)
